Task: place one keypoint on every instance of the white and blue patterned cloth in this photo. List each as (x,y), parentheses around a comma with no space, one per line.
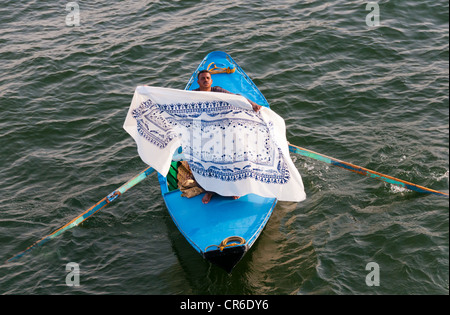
(231,149)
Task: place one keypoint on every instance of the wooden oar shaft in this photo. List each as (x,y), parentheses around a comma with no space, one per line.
(89,212)
(363,171)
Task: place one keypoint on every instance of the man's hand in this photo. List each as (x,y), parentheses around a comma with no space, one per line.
(256,107)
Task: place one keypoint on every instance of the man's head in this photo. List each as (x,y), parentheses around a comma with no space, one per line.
(204,80)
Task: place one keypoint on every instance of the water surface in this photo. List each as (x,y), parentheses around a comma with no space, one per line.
(373,96)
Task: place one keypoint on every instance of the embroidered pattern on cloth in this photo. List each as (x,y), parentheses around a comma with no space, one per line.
(280,177)
(228,146)
(162,133)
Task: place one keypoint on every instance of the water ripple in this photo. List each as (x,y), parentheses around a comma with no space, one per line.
(373,96)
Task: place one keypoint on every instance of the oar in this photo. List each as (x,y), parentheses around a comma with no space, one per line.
(363,171)
(89,212)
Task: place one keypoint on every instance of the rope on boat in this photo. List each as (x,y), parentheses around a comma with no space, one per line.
(226,242)
(215,69)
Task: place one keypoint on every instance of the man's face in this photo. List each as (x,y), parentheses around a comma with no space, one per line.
(204,81)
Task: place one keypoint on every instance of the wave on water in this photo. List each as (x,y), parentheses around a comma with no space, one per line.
(374,96)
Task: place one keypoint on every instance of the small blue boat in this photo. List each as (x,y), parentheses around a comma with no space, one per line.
(223,230)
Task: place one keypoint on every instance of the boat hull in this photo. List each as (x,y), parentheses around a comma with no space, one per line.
(207,227)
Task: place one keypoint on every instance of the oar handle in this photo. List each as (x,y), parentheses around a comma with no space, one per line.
(363,171)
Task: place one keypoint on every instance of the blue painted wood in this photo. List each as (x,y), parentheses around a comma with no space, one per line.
(205,226)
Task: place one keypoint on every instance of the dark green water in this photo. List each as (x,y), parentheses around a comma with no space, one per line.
(373,96)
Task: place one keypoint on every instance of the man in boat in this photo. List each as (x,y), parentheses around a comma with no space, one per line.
(205,81)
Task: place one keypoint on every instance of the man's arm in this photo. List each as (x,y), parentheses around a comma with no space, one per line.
(255,106)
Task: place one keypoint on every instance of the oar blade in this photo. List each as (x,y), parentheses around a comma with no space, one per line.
(89,212)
